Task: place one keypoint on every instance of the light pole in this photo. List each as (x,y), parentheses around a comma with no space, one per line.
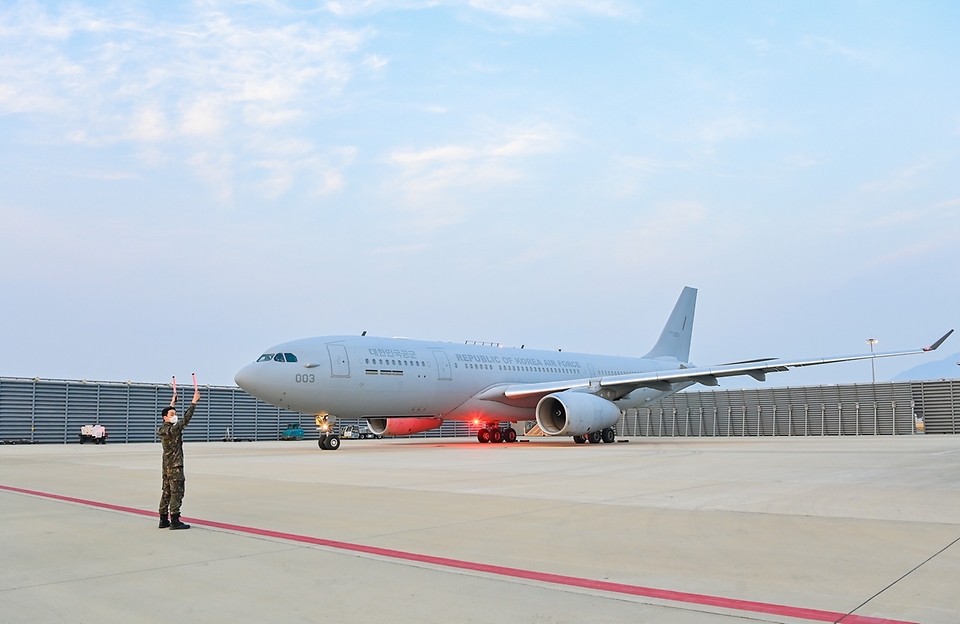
(873,371)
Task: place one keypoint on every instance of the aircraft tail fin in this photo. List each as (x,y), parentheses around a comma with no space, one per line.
(674,340)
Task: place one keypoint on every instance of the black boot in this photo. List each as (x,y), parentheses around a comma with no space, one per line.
(176,524)
(164,521)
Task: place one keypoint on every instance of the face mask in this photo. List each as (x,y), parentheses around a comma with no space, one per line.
(173,420)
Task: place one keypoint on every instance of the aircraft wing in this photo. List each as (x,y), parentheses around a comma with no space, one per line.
(706,375)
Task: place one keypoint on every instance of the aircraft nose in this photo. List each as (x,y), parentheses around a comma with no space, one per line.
(245,378)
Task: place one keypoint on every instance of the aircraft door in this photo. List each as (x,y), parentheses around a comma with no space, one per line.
(443,365)
(339,363)
(593,372)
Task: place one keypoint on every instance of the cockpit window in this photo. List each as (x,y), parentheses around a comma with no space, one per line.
(290,357)
(278,357)
(265,357)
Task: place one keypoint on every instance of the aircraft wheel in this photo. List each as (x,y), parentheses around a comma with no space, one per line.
(594,437)
(322,443)
(483,436)
(579,439)
(333,443)
(510,435)
(496,435)
(609,435)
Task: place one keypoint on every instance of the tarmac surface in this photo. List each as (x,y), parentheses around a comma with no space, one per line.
(852,529)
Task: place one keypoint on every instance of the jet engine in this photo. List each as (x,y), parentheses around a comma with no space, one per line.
(575,413)
(402,426)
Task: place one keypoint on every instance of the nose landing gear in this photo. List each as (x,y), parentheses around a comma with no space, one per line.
(329,440)
(495,433)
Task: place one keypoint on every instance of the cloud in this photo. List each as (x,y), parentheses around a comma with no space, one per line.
(428,177)
(293,160)
(149,124)
(523,10)
(548,10)
(199,88)
(465,165)
(374,61)
(206,115)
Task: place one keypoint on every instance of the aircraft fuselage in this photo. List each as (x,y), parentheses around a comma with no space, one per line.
(370,377)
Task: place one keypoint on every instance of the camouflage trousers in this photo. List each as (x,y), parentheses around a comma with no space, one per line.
(172,497)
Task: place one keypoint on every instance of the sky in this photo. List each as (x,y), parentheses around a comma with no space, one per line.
(183,185)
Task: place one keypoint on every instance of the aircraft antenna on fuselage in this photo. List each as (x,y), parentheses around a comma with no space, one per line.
(674,340)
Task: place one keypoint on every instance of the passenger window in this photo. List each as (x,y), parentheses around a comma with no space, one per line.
(278,357)
(290,357)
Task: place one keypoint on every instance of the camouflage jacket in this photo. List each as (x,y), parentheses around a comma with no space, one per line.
(172,438)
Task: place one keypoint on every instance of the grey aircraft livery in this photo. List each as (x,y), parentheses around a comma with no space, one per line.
(403,386)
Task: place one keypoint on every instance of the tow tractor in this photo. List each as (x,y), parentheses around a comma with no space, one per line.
(93,433)
(292,432)
(329,440)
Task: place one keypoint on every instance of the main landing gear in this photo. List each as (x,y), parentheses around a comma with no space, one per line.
(608,435)
(492,433)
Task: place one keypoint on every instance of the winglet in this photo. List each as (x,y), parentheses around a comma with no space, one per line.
(934,346)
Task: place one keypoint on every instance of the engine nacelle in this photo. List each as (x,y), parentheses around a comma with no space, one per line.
(402,426)
(575,413)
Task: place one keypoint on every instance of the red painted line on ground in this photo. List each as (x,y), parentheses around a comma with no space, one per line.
(815,615)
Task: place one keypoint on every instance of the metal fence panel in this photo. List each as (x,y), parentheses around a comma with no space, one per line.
(52,411)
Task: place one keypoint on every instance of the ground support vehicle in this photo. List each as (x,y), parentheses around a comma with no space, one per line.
(292,432)
(355,432)
(93,433)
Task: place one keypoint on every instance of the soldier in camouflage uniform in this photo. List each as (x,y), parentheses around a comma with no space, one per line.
(171,435)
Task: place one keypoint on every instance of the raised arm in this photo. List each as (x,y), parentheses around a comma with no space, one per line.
(189,414)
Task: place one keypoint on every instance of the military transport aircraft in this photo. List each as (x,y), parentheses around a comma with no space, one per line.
(403,386)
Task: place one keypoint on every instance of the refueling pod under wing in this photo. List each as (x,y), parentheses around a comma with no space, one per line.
(402,425)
